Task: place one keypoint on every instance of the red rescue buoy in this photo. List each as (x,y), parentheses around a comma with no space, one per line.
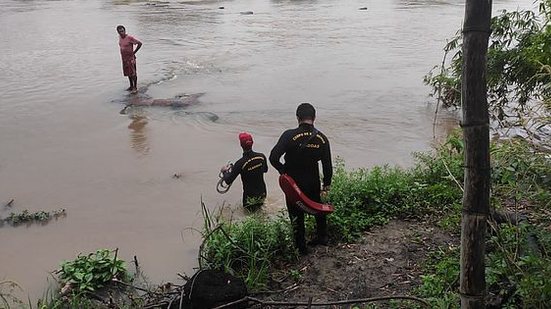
(295,196)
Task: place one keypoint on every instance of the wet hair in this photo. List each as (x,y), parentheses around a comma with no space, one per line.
(306,111)
(121,26)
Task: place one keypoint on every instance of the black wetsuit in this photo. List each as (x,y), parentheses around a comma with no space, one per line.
(251,167)
(302,153)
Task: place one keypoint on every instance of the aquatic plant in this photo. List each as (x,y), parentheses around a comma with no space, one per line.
(31,217)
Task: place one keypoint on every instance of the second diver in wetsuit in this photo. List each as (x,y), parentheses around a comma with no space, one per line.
(303,148)
(251,166)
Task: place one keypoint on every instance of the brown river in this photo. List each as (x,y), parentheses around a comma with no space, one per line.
(64,144)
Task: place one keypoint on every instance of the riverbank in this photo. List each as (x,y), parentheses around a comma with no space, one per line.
(394,233)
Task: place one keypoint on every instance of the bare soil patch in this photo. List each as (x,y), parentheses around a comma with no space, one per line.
(384,262)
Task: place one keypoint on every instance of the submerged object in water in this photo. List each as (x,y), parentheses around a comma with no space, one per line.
(184,100)
(296,197)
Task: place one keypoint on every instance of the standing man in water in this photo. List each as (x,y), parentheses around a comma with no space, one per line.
(128,55)
(303,147)
(251,167)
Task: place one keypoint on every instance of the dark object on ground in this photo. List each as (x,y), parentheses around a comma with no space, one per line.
(221,7)
(212,288)
(247,13)
(363,8)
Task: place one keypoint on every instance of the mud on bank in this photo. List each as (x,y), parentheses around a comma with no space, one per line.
(385,262)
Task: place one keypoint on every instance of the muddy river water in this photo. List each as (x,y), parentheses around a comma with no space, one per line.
(64,144)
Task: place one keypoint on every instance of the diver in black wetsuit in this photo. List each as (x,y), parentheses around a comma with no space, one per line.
(251,167)
(303,147)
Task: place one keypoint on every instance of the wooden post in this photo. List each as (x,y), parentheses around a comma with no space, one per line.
(476,197)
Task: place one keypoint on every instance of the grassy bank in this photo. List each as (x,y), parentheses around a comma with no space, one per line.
(519,251)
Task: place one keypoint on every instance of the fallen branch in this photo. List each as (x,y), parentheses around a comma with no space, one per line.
(312,304)
(10,203)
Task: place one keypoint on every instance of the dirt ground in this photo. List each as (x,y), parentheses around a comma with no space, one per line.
(385,262)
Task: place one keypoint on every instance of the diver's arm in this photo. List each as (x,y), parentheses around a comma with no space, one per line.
(277,152)
(265,168)
(327,165)
(234,172)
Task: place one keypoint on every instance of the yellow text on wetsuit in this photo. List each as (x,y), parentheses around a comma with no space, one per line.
(252,159)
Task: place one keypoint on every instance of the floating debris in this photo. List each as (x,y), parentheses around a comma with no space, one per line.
(10,203)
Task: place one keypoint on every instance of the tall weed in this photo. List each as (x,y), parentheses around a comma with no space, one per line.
(248,248)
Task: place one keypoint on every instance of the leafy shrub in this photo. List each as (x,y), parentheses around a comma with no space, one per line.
(519,264)
(519,172)
(93,271)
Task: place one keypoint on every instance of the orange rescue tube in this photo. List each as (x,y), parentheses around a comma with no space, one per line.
(295,196)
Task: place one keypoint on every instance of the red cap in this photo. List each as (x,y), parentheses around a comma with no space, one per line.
(246,140)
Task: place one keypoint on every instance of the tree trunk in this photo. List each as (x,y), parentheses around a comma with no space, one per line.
(476,31)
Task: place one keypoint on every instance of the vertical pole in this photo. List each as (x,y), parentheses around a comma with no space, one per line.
(476,197)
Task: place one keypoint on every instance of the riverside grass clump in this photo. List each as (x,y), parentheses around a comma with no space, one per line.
(367,197)
(247,248)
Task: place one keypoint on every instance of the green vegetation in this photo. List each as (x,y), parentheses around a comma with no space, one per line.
(364,198)
(82,280)
(88,273)
(519,55)
(32,217)
(518,265)
(248,248)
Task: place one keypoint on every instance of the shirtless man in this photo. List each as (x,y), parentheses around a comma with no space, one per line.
(128,55)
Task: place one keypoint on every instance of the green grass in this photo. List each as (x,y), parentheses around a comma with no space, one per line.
(247,248)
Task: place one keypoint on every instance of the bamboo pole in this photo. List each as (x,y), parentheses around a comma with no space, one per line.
(476,31)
